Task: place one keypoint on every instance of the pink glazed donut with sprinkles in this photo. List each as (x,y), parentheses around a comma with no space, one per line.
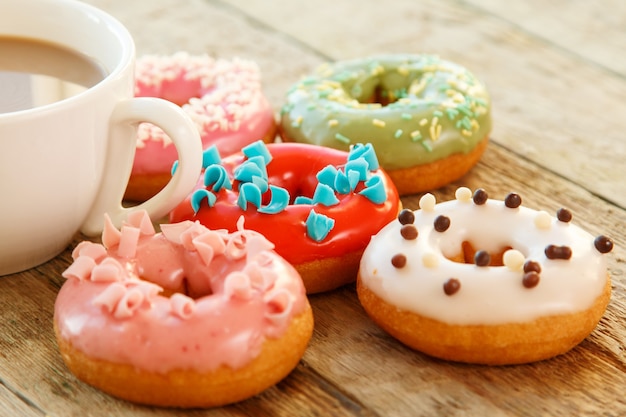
(485,281)
(188,317)
(223,97)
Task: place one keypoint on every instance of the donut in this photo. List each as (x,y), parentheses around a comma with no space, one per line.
(223,97)
(485,281)
(187,317)
(318,206)
(428,119)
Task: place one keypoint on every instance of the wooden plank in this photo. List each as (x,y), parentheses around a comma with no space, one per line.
(12,405)
(585,29)
(549,106)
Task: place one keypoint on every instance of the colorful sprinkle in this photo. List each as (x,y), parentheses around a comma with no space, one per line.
(409,232)
(325,196)
(398,261)
(318,226)
(441,224)
(249,193)
(200,195)
(463,194)
(406,216)
(532,266)
(430,260)
(482,258)
(543,220)
(480,197)
(451,286)
(564,215)
(216,177)
(513,200)
(278,202)
(558,252)
(603,244)
(378,123)
(366,152)
(211,156)
(342,138)
(530,279)
(257,149)
(513,260)
(374,190)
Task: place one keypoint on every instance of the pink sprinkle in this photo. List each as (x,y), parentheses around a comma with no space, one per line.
(80,269)
(128,242)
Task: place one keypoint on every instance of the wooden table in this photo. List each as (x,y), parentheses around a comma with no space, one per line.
(557,74)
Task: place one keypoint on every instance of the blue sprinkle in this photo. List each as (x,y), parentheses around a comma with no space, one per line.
(215,176)
(249,193)
(262,183)
(353,179)
(302,200)
(342,184)
(359,166)
(318,226)
(250,169)
(327,175)
(258,148)
(278,202)
(211,156)
(374,190)
(198,196)
(174,167)
(364,151)
(325,195)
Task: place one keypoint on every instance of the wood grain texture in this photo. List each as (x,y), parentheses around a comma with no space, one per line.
(559,98)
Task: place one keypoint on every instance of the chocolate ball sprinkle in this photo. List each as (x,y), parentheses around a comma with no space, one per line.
(409,232)
(406,216)
(530,279)
(513,200)
(398,260)
(451,286)
(564,215)
(482,258)
(442,223)
(480,197)
(532,266)
(603,244)
(558,252)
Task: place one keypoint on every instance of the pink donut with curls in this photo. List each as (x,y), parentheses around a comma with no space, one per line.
(188,317)
(223,97)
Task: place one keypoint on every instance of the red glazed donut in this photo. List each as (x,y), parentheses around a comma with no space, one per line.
(319,206)
(223,97)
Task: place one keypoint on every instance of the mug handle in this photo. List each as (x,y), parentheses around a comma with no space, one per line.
(121,152)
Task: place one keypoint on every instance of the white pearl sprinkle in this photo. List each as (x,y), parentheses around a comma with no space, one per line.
(543,220)
(513,259)
(463,194)
(430,260)
(427,202)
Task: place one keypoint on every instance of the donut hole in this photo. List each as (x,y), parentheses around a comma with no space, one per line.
(381,96)
(468,252)
(297,185)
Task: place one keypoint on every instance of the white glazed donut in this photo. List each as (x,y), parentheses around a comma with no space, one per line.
(536,286)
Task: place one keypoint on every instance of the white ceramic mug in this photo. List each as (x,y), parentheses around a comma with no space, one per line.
(63,165)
